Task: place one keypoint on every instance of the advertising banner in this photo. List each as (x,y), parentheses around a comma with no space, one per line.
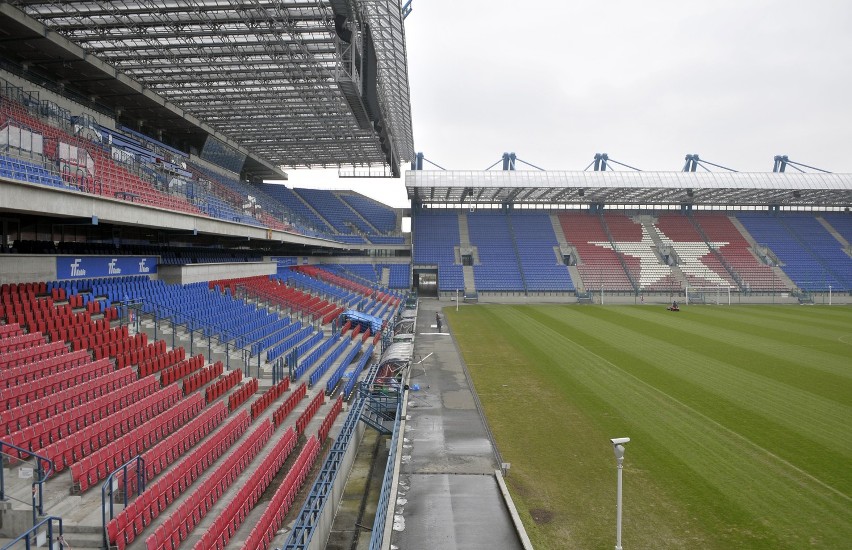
(81,267)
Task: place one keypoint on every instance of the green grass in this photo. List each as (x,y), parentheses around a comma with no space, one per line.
(740,419)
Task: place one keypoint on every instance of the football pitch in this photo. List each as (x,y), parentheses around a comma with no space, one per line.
(740,419)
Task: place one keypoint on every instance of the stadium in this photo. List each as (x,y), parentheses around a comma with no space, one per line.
(194,354)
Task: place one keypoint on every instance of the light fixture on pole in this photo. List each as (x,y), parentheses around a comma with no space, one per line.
(618,444)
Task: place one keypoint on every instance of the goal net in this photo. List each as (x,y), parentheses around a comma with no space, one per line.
(714,295)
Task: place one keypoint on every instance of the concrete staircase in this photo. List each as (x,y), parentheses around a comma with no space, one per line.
(557,230)
(753,244)
(469,279)
(464,244)
(576,278)
(565,249)
(755,247)
(679,276)
(464,232)
(385,276)
(358,214)
(846,246)
(314,210)
(784,278)
(659,248)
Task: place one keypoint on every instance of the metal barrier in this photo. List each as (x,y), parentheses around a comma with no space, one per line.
(38,484)
(223,340)
(33,539)
(377,536)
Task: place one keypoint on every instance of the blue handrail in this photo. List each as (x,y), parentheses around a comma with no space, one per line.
(38,503)
(378,534)
(27,538)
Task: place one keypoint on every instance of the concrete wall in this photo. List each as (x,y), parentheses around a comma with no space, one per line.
(22,268)
(196,273)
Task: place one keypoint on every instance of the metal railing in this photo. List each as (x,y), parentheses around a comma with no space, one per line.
(38,483)
(111,486)
(224,339)
(33,539)
(377,537)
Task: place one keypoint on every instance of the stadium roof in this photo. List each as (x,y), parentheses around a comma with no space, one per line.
(554,188)
(293,82)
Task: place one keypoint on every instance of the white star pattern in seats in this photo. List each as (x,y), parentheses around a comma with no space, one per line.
(653,271)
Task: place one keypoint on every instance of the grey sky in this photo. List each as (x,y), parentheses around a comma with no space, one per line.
(647,82)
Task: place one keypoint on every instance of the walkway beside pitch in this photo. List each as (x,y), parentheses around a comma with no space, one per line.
(449,496)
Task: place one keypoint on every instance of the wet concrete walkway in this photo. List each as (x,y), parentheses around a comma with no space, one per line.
(448,494)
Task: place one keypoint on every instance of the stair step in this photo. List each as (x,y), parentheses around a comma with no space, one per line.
(82,540)
(83,529)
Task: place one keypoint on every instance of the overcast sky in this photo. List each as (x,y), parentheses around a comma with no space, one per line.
(646,82)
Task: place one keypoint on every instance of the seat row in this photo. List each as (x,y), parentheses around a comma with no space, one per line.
(286,296)
(329,419)
(356,372)
(261,403)
(306,416)
(82,443)
(308,361)
(109,335)
(17,396)
(289,404)
(229,520)
(161,361)
(58,317)
(76,301)
(330,359)
(147,351)
(282,348)
(181,369)
(71,423)
(331,278)
(39,410)
(23,341)
(264,341)
(9,331)
(191,511)
(338,373)
(15,289)
(32,354)
(27,311)
(263,533)
(220,386)
(14,376)
(169,450)
(116,347)
(112,456)
(75,326)
(239,396)
(130,522)
(201,377)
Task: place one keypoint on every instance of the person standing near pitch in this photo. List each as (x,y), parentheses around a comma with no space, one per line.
(438,321)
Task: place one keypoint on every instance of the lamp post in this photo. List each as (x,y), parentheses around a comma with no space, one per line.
(618,444)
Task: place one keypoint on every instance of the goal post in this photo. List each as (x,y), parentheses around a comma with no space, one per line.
(713,294)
